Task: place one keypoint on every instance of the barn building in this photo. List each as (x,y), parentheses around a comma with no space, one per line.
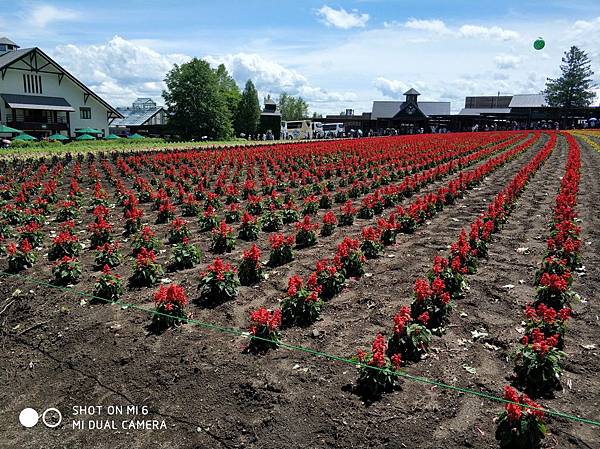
(40,97)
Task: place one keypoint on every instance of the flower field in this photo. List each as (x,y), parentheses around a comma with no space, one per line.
(430,273)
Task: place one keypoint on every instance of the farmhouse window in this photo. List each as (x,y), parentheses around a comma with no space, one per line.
(32,84)
(85,113)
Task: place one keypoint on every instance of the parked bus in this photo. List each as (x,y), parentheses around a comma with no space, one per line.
(296,130)
(332,130)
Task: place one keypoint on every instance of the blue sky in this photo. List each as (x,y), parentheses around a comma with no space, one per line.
(335,54)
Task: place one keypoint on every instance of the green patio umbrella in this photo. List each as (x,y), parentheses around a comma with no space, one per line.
(85,137)
(8,130)
(112,137)
(25,137)
(88,131)
(136,136)
(58,136)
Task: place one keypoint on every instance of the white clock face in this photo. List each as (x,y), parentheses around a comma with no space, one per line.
(410,109)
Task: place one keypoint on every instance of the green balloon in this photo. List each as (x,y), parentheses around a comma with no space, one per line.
(539,43)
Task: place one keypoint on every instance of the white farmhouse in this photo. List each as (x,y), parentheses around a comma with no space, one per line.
(41,98)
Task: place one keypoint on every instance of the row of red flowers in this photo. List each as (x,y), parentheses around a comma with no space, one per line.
(539,352)
(350,258)
(100,230)
(433,300)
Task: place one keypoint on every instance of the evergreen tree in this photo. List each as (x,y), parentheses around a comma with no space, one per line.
(292,108)
(248,114)
(229,89)
(196,102)
(573,87)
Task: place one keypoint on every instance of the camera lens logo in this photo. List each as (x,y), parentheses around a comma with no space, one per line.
(28,417)
(51,417)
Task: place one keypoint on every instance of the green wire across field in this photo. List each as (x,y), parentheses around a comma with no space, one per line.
(282,344)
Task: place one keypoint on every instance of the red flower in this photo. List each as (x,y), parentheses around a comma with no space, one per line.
(171,295)
(422,290)
(252,254)
(361,354)
(423,318)
(262,317)
(401,319)
(25,246)
(306,225)
(294,284)
(564,313)
(438,286)
(371,234)
(379,347)
(329,218)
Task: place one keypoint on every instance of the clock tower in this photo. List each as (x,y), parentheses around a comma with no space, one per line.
(411,97)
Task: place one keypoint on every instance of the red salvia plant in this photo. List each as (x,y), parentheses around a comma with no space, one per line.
(377,373)
(147,271)
(329,278)
(329,224)
(302,305)
(170,303)
(349,258)
(281,250)
(250,269)
(219,283)
(521,424)
(306,235)
(264,329)
(371,245)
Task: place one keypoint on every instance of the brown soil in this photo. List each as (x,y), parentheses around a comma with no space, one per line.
(211,395)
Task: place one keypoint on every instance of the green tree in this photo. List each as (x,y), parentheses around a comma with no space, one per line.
(248,113)
(573,87)
(292,108)
(196,102)
(229,89)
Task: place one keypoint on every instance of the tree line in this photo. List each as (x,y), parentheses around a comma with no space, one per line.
(203,101)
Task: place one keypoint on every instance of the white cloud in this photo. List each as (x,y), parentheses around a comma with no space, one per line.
(494,32)
(505,61)
(585,26)
(390,88)
(433,26)
(40,15)
(456,87)
(438,27)
(340,18)
(271,77)
(119,70)
(265,74)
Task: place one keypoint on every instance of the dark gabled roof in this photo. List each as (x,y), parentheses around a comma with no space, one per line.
(7,41)
(411,91)
(528,101)
(404,111)
(13,56)
(388,109)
